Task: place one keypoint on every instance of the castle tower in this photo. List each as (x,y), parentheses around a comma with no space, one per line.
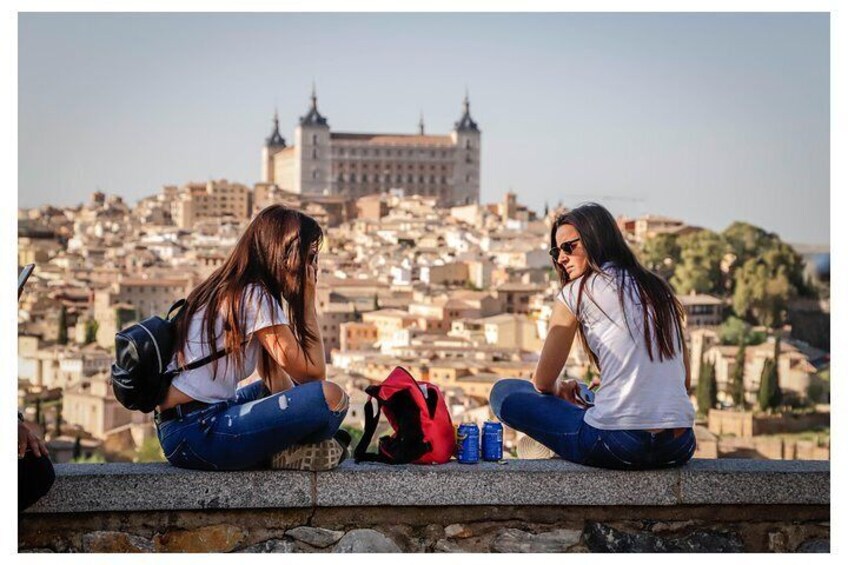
(313,160)
(466,137)
(274,143)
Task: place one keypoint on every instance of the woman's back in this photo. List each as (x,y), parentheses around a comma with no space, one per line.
(637,392)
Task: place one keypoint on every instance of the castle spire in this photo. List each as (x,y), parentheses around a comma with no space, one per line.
(421,124)
(275,139)
(313,117)
(465,123)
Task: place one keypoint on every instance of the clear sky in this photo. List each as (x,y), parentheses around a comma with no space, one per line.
(710,118)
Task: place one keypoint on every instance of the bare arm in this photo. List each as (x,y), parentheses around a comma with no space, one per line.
(300,364)
(563,326)
(687,366)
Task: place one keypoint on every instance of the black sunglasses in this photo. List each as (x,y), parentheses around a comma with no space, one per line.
(566,247)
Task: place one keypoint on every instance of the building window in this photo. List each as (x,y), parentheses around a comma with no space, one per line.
(468,144)
(314,174)
(467,178)
(314,139)
(314,153)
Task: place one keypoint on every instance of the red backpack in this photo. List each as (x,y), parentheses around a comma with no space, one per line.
(418,414)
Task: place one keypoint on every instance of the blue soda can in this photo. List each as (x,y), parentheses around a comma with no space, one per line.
(468,444)
(492,441)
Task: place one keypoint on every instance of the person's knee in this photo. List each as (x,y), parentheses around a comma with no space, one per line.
(499,393)
(335,396)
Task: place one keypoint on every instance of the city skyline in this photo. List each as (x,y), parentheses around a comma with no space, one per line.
(621,109)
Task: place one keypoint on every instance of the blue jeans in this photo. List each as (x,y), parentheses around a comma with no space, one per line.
(245,432)
(558,424)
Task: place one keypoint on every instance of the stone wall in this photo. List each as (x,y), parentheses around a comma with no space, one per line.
(519,506)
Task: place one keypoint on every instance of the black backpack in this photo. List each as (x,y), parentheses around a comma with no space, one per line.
(140,379)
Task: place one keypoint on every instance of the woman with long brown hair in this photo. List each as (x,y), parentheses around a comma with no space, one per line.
(255,312)
(631,324)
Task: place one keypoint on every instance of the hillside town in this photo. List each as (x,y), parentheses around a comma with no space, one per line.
(460,295)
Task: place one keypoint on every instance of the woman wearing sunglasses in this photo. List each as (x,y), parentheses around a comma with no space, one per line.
(257,311)
(631,325)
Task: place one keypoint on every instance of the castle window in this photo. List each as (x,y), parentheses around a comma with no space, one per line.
(443,180)
(432,179)
(467,178)
(399,178)
(408,178)
(468,158)
(314,139)
(468,144)
(341,151)
(314,153)
(421,178)
(314,174)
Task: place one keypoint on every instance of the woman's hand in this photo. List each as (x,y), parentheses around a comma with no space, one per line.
(27,439)
(567,390)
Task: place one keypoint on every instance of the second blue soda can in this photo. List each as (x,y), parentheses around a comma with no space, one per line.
(492,441)
(468,443)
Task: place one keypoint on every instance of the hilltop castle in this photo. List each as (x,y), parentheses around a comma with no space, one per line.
(357,164)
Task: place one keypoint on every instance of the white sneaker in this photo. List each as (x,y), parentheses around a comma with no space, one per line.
(529,448)
(321,456)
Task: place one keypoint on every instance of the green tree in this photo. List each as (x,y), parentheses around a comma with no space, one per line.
(91,327)
(62,338)
(77,452)
(746,241)
(149,451)
(661,254)
(699,269)
(770,395)
(737,379)
(707,392)
(58,423)
(735,331)
(763,290)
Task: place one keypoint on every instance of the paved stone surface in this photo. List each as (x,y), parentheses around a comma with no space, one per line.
(517,482)
(161,486)
(115,542)
(270,546)
(366,541)
(316,537)
(752,481)
(513,540)
(601,538)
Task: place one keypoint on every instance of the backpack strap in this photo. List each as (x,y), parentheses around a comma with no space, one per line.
(178,305)
(371,420)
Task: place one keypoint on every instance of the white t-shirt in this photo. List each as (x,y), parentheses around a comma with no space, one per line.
(636,393)
(260,311)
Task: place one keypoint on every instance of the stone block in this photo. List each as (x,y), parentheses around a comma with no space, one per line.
(208,539)
(115,542)
(512,540)
(160,486)
(524,482)
(316,537)
(366,541)
(460,531)
(751,481)
(270,546)
(601,538)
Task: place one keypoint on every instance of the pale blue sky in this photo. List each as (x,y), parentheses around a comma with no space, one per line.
(705,117)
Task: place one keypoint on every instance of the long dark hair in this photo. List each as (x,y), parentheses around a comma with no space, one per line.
(273,253)
(603,242)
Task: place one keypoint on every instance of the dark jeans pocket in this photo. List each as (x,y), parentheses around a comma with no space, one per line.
(182,455)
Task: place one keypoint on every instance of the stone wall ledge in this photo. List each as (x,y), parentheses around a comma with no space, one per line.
(124,487)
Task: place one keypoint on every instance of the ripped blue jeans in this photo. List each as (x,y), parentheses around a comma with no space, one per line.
(245,432)
(559,425)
